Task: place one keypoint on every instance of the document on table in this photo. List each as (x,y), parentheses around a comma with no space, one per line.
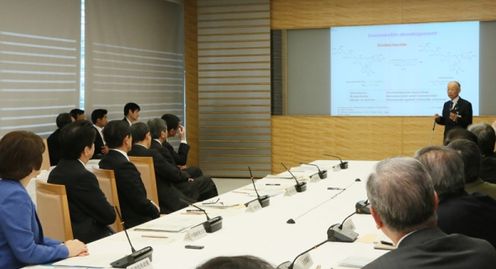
(173,224)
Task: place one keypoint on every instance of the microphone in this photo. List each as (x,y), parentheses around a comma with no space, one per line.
(342,165)
(264,200)
(135,256)
(336,233)
(288,265)
(211,225)
(300,186)
(362,207)
(434,126)
(322,173)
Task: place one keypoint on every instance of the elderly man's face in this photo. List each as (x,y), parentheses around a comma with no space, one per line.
(453,90)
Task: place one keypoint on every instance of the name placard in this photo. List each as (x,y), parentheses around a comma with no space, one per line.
(195,233)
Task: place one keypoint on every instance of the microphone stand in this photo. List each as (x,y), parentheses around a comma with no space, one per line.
(287,265)
(264,200)
(211,225)
(322,173)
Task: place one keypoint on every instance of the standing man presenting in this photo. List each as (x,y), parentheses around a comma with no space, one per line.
(457,112)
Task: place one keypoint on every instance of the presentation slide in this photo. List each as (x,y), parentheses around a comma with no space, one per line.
(402,70)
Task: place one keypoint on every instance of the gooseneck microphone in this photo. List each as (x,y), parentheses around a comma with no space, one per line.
(300,186)
(322,173)
(211,225)
(264,200)
(342,165)
(336,233)
(135,256)
(288,265)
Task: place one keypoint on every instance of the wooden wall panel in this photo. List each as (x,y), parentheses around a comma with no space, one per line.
(298,139)
(191,67)
(296,14)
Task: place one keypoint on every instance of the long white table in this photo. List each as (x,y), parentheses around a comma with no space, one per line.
(264,232)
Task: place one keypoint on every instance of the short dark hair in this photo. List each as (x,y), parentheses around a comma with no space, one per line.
(236,262)
(115,132)
(139,131)
(131,106)
(171,120)
(63,119)
(98,114)
(20,154)
(471,156)
(75,137)
(157,126)
(76,112)
(459,133)
(486,137)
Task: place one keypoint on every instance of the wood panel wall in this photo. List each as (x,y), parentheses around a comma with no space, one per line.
(297,14)
(191,68)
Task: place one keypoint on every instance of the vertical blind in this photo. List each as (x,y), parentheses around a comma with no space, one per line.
(134,53)
(39,63)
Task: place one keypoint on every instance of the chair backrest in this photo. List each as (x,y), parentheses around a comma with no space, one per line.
(106,180)
(53,211)
(147,170)
(45,163)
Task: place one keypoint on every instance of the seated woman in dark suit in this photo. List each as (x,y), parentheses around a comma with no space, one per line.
(21,237)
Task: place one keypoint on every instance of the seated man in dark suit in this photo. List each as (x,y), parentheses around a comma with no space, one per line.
(180,157)
(77,114)
(469,214)
(486,137)
(131,113)
(470,153)
(53,141)
(169,197)
(89,209)
(196,188)
(136,208)
(99,119)
(403,205)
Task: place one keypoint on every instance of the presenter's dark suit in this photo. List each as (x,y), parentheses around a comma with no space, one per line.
(201,188)
(469,214)
(54,148)
(432,249)
(463,108)
(98,145)
(181,157)
(89,209)
(168,195)
(136,208)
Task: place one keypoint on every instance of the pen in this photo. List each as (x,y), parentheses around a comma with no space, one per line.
(335,188)
(272,184)
(153,236)
(386,243)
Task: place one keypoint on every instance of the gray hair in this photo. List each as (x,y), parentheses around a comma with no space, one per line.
(486,137)
(157,126)
(401,191)
(445,167)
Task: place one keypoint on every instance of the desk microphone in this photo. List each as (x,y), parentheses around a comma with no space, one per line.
(342,165)
(288,265)
(336,233)
(264,200)
(322,173)
(300,186)
(211,225)
(135,256)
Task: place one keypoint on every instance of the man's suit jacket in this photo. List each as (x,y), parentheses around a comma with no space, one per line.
(135,207)
(54,148)
(181,156)
(89,209)
(463,108)
(173,172)
(169,197)
(98,145)
(469,214)
(488,168)
(432,249)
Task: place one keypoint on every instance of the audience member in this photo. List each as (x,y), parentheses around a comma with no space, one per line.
(131,113)
(486,138)
(236,262)
(53,141)
(470,153)
(197,189)
(89,209)
(77,114)
(470,214)
(169,197)
(136,208)
(403,205)
(459,133)
(180,157)
(99,119)
(21,238)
